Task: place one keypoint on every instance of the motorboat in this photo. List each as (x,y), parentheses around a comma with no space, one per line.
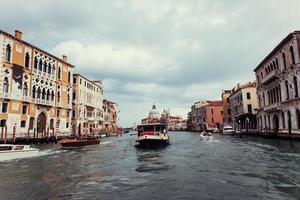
(11,151)
(206,135)
(132,133)
(152,135)
(103,135)
(227,130)
(78,142)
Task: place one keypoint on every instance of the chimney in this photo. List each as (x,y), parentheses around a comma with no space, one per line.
(18,34)
(65,58)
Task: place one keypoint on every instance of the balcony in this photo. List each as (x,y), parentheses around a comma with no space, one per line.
(273,75)
(26,98)
(271,107)
(42,101)
(5,95)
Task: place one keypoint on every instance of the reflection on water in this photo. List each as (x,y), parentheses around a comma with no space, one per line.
(189,168)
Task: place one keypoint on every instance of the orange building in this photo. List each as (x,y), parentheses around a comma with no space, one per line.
(226,114)
(213,112)
(35,89)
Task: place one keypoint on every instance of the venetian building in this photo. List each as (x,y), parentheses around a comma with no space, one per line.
(277,78)
(35,88)
(87,116)
(243,105)
(111,119)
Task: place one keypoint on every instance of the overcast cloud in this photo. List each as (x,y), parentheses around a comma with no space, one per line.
(169,52)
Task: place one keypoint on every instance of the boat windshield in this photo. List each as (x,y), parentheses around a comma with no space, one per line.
(153,128)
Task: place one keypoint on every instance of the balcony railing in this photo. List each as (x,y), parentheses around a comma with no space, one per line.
(5,95)
(271,107)
(270,77)
(26,98)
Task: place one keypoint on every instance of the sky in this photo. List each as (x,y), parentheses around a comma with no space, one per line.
(168,52)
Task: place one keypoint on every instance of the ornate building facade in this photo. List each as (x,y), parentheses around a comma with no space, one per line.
(111,120)
(243,106)
(35,89)
(87,116)
(277,79)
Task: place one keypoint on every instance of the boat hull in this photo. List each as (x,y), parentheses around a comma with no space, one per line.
(5,156)
(153,141)
(78,142)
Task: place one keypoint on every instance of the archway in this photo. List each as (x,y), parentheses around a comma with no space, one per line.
(275,123)
(41,122)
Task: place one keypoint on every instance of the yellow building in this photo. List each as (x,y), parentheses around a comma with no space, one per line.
(35,89)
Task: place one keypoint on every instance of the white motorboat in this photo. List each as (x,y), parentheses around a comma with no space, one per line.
(206,135)
(152,135)
(11,151)
(103,135)
(227,130)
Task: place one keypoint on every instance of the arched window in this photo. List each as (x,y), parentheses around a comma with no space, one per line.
(295,86)
(49,68)
(5,85)
(25,90)
(27,60)
(58,96)
(69,77)
(283,60)
(283,120)
(40,65)
(33,92)
(53,70)
(8,53)
(52,96)
(39,93)
(59,73)
(292,55)
(35,64)
(261,74)
(45,67)
(280,97)
(298,118)
(48,95)
(287,90)
(264,99)
(289,120)
(44,93)
(276,63)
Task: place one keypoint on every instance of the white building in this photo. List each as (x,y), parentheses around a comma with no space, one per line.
(87,97)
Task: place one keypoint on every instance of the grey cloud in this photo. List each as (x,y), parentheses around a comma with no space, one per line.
(184,45)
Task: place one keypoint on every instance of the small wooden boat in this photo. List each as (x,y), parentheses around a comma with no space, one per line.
(152,135)
(11,151)
(78,142)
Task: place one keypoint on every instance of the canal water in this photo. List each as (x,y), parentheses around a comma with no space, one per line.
(227,167)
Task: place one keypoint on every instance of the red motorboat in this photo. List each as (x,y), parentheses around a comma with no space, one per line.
(78,142)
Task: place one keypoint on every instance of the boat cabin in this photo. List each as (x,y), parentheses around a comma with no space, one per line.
(151,129)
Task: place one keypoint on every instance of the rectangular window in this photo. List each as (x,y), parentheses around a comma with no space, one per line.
(73,114)
(57,113)
(249,108)
(67,125)
(23,123)
(212,119)
(24,109)
(4,107)
(74,80)
(3,123)
(212,111)
(248,95)
(74,95)
(68,114)
(228,111)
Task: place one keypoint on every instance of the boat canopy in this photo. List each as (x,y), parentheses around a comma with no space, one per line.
(156,127)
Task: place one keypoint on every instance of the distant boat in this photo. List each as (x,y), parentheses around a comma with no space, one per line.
(11,151)
(153,134)
(227,130)
(78,142)
(206,135)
